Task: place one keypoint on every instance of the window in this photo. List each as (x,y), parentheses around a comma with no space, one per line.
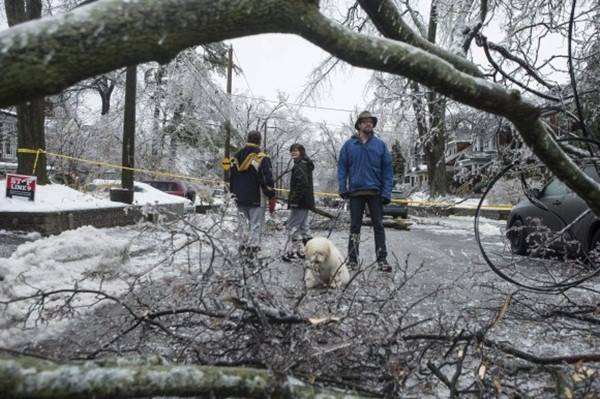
(556,187)
(479,144)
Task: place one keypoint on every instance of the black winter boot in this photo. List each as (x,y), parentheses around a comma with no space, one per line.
(305,240)
(289,256)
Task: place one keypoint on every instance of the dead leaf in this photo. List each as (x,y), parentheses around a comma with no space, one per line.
(589,372)
(496,383)
(503,310)
(321,320)
(482,371)
(568,393)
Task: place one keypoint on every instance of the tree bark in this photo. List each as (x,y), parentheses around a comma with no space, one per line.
(30,115)
(146,377)
(435,146)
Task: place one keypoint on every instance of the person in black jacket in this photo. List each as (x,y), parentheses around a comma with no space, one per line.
(301,200)
(251,182)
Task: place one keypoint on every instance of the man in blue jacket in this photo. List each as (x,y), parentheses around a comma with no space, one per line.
(365,177)
(251,182)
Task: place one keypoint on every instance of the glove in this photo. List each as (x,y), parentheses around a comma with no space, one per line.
(385,201)
(345,195)
(272,202)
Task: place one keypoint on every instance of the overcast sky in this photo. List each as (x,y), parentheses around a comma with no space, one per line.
(275,63)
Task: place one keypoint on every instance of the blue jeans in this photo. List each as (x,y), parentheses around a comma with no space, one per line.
(357,209)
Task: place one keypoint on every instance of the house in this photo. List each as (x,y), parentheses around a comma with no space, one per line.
(470,148)
(416,169)
(8,136)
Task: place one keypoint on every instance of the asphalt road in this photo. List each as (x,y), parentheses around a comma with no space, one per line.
(440,241)
(9,241)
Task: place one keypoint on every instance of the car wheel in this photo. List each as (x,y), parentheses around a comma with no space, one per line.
(594,252)
(191,195)
(518,237)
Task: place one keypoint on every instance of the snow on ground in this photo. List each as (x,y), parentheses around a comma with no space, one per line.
(57,197)
(459,225)
(71,259)
(53,197)
(86,258)
(109,259)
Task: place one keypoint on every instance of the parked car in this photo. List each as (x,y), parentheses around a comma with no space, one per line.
(218,196)
(174,187)
(398,207)
(554,207)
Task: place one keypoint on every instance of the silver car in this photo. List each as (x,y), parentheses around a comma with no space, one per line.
(557,219)
(398,207)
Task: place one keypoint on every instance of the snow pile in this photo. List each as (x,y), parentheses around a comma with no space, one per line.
(144,194)
(82,258)
(52,198)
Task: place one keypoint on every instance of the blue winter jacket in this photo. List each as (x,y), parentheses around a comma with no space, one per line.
(365,166)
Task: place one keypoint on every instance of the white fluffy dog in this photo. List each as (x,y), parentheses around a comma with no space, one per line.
(324,264)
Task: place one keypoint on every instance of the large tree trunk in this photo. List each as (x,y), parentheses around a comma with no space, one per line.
(435,146)
(431,126)
(30,115)
(146,377)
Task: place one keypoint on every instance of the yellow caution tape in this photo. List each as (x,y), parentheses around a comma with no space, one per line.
(98,163)
(220,182)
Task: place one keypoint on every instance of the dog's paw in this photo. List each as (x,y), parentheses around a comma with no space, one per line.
(309,279)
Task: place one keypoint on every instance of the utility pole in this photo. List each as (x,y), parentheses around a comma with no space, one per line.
(229,111)
(129,127)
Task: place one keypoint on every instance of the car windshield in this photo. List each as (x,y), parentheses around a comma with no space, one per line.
(164,185)
(556,187)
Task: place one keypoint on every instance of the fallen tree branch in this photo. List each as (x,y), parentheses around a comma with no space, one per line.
(146,377)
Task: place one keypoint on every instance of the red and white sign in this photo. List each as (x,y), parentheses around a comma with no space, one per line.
(20,186)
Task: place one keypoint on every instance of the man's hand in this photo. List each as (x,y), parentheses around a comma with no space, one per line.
(272,202)
(345,195)
(385,201)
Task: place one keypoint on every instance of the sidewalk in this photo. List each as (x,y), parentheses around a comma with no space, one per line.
(490,212)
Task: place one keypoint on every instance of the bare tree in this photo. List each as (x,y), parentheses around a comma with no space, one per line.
(127,43)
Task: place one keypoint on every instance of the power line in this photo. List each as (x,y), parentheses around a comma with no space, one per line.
(218,92)
(295,104)
(188,62)
(243,74)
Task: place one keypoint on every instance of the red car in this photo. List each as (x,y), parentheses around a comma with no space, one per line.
(173,187)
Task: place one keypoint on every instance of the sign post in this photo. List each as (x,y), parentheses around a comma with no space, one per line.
(21,186)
